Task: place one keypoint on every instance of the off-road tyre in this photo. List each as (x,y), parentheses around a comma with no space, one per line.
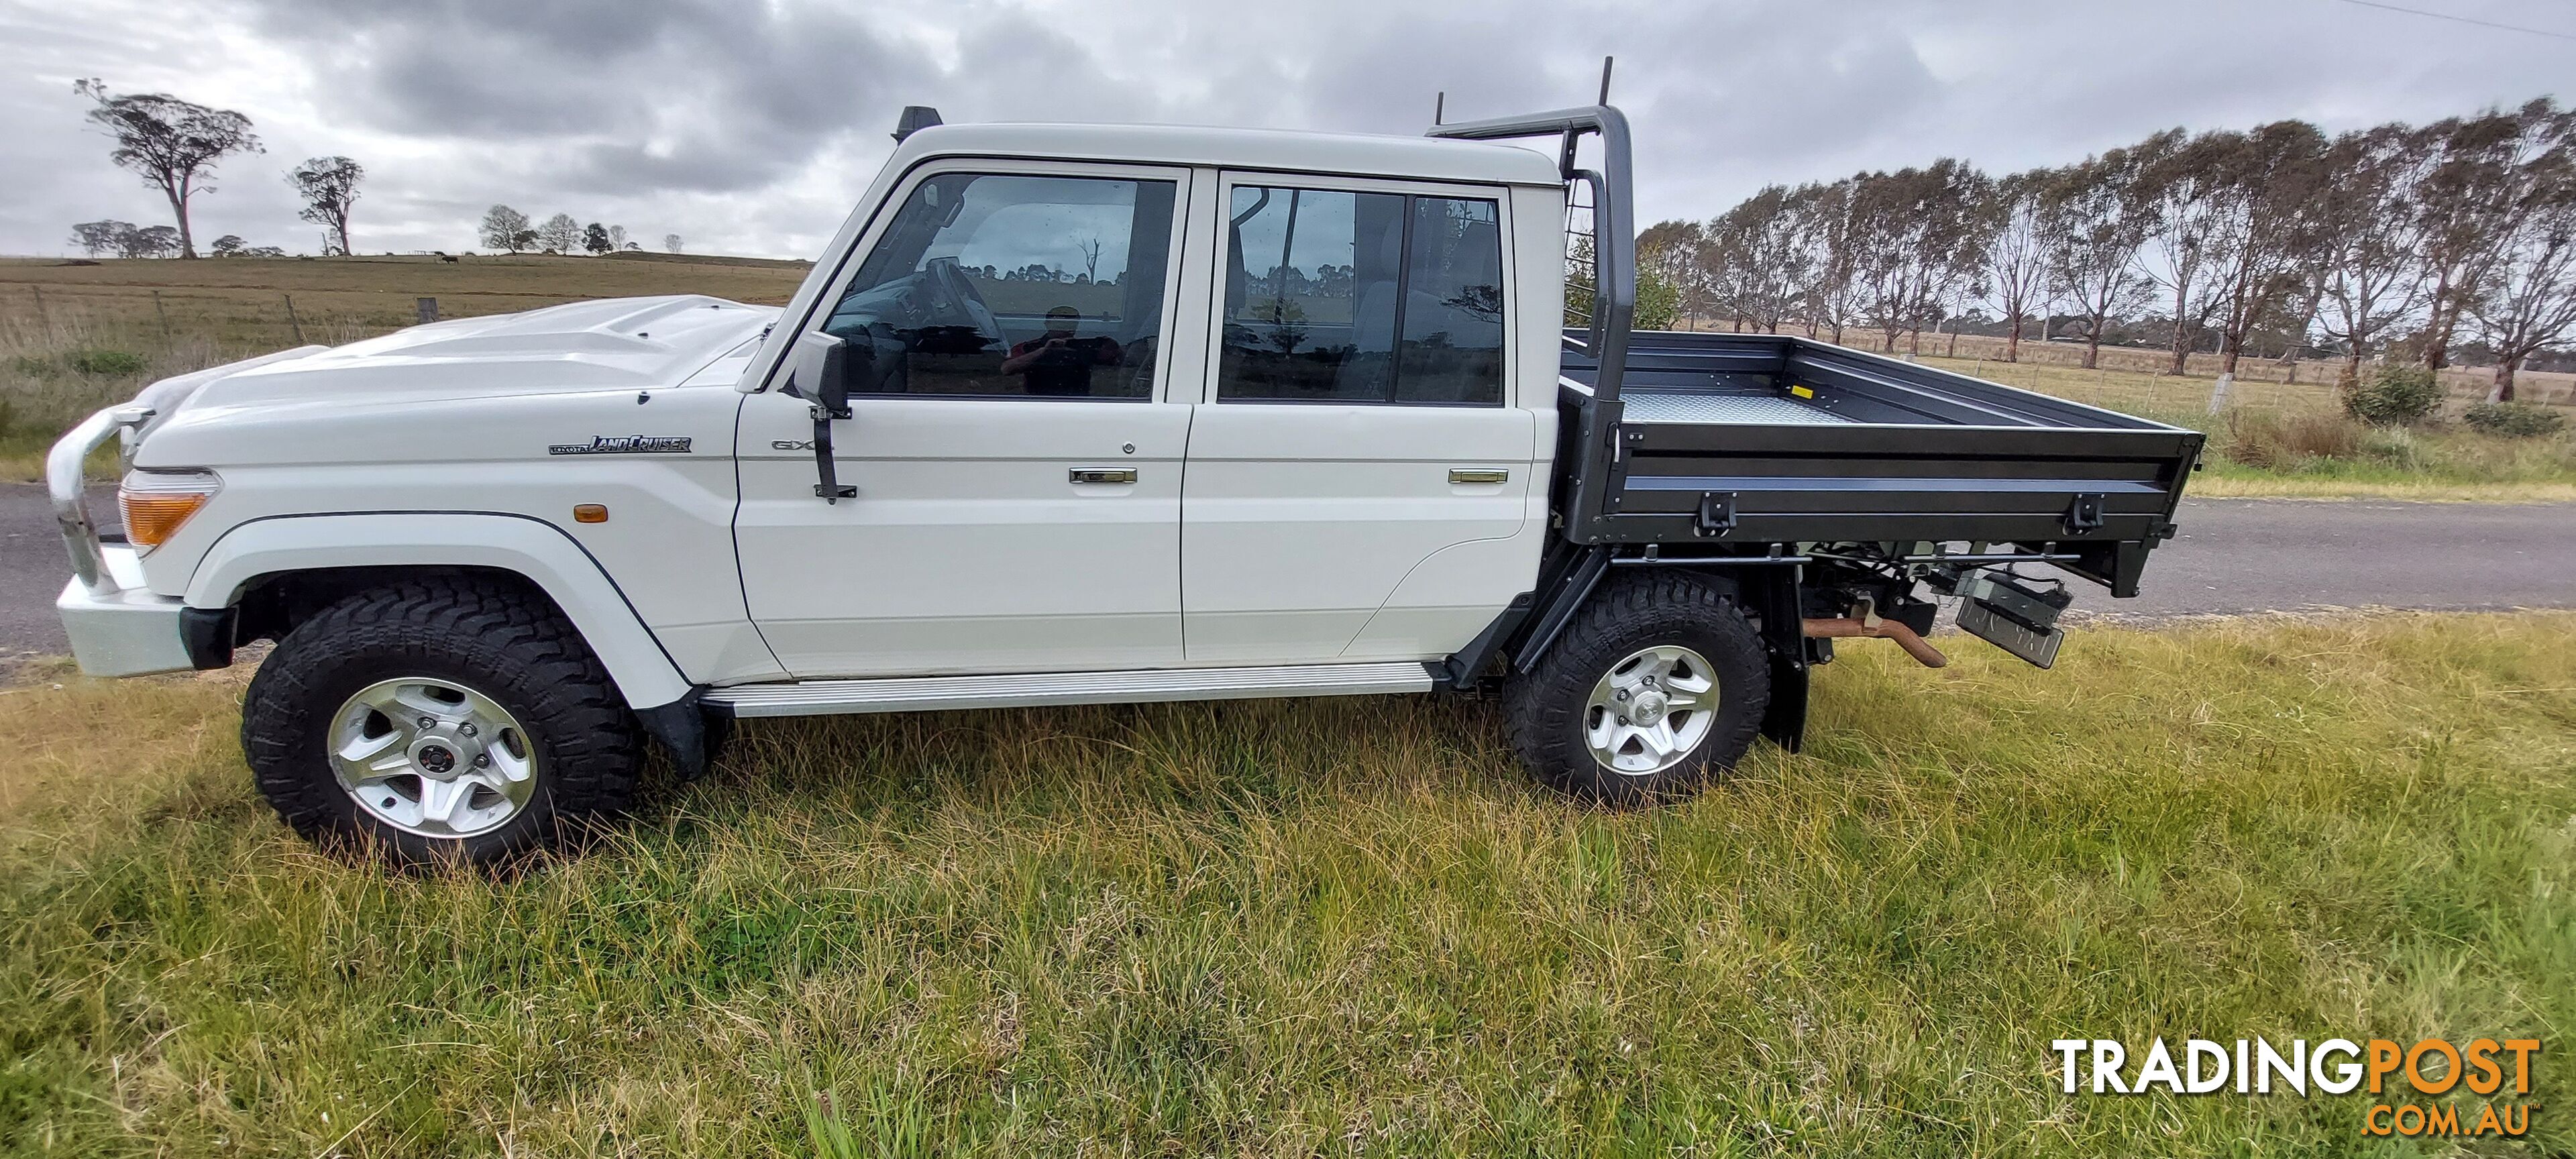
(504,643)
(1550,707)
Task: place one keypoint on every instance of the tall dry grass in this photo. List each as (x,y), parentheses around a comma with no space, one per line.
(2274,441)
(57,369)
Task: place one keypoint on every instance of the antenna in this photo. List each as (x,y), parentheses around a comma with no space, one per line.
(1439,106)
(915,118)
(1605,80)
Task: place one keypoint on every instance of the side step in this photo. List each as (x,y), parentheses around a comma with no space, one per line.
(928,693)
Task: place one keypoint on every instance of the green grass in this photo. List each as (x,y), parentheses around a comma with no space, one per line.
(1346,926)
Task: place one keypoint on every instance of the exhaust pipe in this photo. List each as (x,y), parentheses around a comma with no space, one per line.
(1914,644)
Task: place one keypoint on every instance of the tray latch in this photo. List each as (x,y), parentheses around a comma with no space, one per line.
(1716,512)
(2085,514)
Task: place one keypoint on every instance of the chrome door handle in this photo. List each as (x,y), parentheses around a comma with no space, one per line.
(1478,475)
(1101,475)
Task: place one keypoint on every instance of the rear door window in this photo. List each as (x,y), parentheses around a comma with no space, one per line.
(1349,297)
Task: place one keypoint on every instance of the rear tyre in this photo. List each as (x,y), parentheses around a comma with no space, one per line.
(1657,683)
(440,720)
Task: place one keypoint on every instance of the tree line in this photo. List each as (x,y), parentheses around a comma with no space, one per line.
(174,146)
(509,230)
(2398,241)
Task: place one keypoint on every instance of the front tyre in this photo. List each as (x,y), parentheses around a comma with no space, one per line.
(439,720)
(1657,682)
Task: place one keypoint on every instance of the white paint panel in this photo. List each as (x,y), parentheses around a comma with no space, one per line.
(968,548)
(1450,596)
(668,541)
(524,546)
(1301,520)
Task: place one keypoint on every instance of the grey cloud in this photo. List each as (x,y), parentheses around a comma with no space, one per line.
(749,126)
(697,96)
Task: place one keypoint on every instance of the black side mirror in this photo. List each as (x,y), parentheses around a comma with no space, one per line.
(821,371)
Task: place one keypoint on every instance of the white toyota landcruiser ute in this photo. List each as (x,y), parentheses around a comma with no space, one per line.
(1081,414)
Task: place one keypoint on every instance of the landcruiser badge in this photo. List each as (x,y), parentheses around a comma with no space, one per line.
(625,445)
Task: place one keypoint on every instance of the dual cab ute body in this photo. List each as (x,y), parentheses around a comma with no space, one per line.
(1076,414)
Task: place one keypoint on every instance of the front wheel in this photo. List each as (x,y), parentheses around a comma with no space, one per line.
(1657,682)
(439,720)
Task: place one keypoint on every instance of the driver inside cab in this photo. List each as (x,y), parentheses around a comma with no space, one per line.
(1057,363)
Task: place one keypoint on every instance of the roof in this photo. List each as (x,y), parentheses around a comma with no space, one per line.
(1421,158)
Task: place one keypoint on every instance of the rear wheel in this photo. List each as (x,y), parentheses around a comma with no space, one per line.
(439,720)
(1654,685)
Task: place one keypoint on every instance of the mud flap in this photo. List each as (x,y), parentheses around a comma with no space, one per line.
(1784,723)
(1772,595)
(687,733)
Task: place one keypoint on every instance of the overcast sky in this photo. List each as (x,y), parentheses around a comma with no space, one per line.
(747,127)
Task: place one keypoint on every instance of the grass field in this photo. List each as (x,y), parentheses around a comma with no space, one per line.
(1289,928)
(159,318)
(241,303)
(169,317)
(2556,388)
(2442,460)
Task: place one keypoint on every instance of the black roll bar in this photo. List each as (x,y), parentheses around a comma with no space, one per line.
(1614,232)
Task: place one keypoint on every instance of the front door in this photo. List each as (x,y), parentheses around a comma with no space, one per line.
(1361,484)
(1018,469)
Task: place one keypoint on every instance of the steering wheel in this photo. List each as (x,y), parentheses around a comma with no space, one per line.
(956,292)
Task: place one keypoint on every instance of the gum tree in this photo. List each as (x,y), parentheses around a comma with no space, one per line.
(1757,260)
(1921,233)
(2016,260)
(505,228)
(1821,218)
(560,234)
(329,186)
(172,144)
(2473,202)
(2372,234)
(2095,216)
(2265,232)
(2192,193)
(2529,304)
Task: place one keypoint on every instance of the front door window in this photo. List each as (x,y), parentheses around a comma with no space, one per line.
(1012,286)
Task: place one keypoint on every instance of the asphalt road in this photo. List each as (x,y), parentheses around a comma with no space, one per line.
(2242,556)
(2234,556)
(33,569)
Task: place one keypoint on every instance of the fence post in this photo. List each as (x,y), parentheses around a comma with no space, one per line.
(428,309)
(42,319)
(291,320)
(164,315)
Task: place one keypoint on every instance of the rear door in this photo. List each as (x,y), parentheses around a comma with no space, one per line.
(1016,456)
(1360,476)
